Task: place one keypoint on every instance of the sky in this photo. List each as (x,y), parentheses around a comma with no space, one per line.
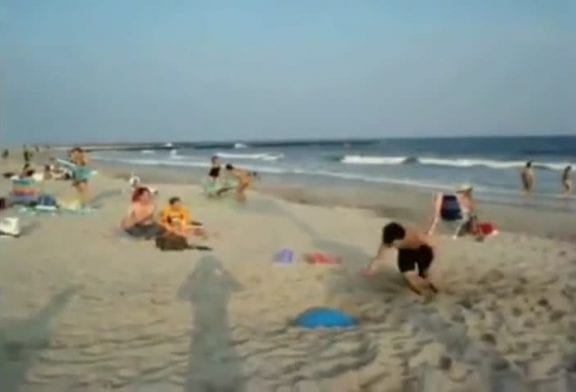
(197,70)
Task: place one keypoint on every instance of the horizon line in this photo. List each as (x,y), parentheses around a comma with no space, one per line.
(288,140)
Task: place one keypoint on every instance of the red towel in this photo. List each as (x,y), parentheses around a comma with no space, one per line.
(322,258)
(487,228)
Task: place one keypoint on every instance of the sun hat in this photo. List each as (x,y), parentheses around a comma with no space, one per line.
(464,188)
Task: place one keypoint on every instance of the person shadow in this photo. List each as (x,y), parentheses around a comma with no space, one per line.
(214,364)
(22,341)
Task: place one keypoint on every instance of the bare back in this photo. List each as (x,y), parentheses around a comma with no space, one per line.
(414,239)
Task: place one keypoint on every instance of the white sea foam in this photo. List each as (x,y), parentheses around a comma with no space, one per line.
(372,160)
(456,162)
(259,157)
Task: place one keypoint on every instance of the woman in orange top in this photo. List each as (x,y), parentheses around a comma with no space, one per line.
(176,219)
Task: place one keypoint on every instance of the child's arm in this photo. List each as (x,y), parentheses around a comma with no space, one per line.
(371,269)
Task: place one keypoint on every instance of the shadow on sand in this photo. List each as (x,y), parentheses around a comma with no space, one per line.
(213,362)
(22,341)
(105,195)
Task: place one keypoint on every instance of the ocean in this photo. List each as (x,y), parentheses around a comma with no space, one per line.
(491,164)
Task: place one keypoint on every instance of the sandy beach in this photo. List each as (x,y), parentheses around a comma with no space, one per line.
(85,308)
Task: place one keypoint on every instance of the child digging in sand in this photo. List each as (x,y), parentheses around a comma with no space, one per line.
(415,255)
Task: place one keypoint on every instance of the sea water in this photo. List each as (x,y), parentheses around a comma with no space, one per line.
(491,164)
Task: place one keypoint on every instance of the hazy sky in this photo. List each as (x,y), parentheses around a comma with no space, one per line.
(134,70)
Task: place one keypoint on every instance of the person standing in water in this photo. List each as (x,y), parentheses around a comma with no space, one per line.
(528,178)
(567,180)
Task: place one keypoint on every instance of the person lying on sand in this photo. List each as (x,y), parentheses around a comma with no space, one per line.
(459,208)
(140,220)
(176,219)
(244,178)
(415,255)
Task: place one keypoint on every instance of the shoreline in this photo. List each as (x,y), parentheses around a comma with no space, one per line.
(395,201)
(403,202)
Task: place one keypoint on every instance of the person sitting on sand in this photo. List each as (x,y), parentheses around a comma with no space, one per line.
(567,180)
(528,178)
(140,220)
(244,178)
(460,208)
(415,255)
(176,219)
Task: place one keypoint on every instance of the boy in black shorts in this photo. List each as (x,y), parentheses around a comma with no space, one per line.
(415,255)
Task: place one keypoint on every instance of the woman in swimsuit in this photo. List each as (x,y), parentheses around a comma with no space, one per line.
(140,220)
(567,180)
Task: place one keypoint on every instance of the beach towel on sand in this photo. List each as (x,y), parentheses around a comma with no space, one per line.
(322,258)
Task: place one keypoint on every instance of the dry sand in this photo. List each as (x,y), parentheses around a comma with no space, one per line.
(84,308)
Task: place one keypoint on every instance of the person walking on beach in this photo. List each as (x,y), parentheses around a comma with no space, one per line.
(528,178)
(415,255)
(5,154)
(567,180)
(80,174)
(244,178)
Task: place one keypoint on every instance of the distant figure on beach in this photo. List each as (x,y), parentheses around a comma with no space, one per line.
(567,180)
(176,219)
(140,220)
(26,154)
(81,174)
(415,255)
(47,172)
(528,178)
(458,208)
(5,154)
(244,178)
(215,168)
